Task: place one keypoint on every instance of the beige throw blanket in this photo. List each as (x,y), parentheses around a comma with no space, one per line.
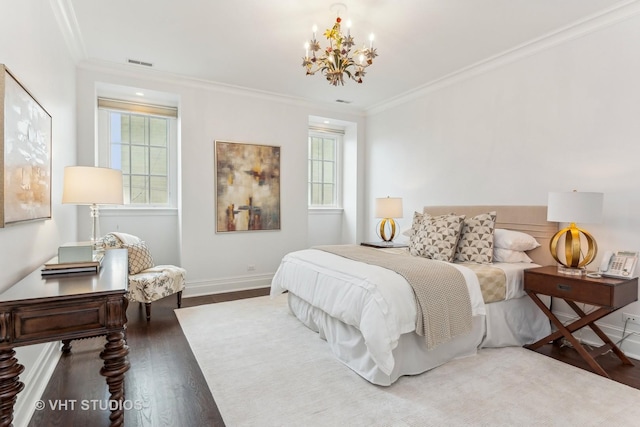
(442,297)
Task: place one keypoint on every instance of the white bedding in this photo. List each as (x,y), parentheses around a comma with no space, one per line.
(376,301)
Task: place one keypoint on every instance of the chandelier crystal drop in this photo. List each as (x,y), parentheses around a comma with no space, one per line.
(338,60)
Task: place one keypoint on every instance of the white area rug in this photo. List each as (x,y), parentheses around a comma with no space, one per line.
(265,368)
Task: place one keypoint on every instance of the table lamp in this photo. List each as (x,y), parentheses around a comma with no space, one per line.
(93,186)
(388,208)
(574,207)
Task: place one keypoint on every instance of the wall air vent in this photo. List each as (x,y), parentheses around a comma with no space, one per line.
(342,101)
(135,61)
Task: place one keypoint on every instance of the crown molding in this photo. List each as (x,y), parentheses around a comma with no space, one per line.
(588,25)
(70,29)
(134,71)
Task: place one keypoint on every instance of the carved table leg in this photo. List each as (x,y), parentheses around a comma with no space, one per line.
(115,365)
(10,369)
(66,346)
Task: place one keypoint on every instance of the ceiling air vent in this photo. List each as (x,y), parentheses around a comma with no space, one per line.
(135,61)
(343,101)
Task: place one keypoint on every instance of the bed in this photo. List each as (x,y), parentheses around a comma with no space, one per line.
(367,313)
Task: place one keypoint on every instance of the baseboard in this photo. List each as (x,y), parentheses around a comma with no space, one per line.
(35,383)
(227,284)
(630,346)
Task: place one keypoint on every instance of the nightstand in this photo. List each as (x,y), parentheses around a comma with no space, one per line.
(606,294)
(384,245)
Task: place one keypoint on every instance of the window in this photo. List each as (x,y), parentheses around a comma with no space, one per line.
(141,143)
(324,169)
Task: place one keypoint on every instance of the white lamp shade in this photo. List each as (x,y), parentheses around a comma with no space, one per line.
(86,185)
(578,207)
(389,207)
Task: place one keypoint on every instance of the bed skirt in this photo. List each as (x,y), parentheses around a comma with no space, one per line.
(411,355)
(513,322)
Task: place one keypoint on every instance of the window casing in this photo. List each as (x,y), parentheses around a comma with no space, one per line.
(143,145)
(324,170)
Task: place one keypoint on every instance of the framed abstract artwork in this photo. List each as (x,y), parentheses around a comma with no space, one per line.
(247,187)
(25,144)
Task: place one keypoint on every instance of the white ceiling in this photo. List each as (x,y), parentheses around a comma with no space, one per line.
(258,44)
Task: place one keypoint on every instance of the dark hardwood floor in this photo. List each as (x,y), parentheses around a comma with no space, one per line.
(164,385)
(625,374)
(165,382)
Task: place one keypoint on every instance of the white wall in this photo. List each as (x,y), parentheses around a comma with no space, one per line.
(562,118)
(33,48)
(218,262)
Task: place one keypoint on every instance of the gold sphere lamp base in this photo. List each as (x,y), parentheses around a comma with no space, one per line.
(572,264)
(387,236)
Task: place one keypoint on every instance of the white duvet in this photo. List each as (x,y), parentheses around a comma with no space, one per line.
(377,301)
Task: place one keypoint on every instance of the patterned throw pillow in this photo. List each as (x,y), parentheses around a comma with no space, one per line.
(416,245)
(476,239)
(139,257)
(439,236)
(110,241)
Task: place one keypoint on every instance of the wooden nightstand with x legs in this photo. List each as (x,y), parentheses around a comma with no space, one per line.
(606,294)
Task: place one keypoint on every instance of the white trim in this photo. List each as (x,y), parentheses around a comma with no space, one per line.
(338,139)
(103,151)
(143,211)
(35,383)
(325,211)
(227,284)
(133,71)
(70,29)
(570,32)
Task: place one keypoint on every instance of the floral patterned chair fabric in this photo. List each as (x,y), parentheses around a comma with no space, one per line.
(147,282)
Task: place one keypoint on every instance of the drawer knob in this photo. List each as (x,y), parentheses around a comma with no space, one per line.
(562,287)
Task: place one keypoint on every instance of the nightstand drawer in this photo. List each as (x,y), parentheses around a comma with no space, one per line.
(604,292)
(575,290)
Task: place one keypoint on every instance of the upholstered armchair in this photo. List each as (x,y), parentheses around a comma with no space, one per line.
(147,282)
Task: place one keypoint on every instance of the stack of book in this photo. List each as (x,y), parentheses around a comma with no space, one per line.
(54,268)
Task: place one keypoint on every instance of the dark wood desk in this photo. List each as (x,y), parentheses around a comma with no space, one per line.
(606,293)
(37,310)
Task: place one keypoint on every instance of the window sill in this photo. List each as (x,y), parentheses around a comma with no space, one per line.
(137,211)
(326,211)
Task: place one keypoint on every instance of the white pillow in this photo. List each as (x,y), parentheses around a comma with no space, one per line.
(508,255)
(513,240)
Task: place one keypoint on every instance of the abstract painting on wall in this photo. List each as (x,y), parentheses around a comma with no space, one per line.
(247,187)
(25,141)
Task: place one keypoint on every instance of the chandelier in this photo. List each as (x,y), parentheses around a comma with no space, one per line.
(337,60)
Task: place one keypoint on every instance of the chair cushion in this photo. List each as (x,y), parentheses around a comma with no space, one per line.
(155,283)
(139,257)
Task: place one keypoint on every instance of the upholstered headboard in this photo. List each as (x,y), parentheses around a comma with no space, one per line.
(528,219)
